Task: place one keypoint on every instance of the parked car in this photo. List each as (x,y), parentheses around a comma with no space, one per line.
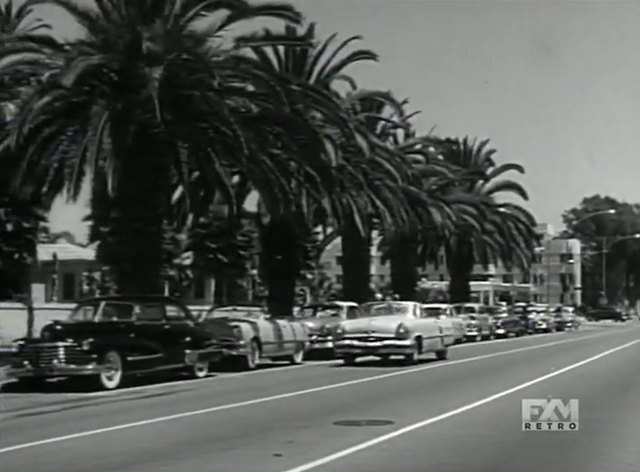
(478,322)
(321,320)
(566,318)
(249,335)
(108,338)
(393,328)
(445,312)
(506,324)
(605,313)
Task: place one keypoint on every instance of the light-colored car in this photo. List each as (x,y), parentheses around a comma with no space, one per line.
(393,328)
(249,335)
(321,320)
(479,325)
(445,312)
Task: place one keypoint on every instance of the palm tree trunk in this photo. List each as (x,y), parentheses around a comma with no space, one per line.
(280,264)
(403,254)
(133,246)
(356,263)
(460,262)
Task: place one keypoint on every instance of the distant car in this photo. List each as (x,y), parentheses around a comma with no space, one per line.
(321,320)
(393,328)
(478,322)
(248,334)
(566,318)
(445,312)
(605,313)
(507,324)
(105,339)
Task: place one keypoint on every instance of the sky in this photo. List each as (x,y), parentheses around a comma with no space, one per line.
(555,85)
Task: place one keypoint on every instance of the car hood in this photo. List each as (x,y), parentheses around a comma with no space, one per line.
(77,330)
(377,324)
(315,324)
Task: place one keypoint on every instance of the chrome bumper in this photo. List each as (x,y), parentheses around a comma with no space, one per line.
(384,347)
(320,342)
(54,370)
(213,354)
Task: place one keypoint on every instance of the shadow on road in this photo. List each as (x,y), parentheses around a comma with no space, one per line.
(391,363)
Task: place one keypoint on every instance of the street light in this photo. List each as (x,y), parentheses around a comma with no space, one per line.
(610,211)
(605,249)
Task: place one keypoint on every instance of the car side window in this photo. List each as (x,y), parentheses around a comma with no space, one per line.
(352,312)
(176,313)
(151,312)
(117,312)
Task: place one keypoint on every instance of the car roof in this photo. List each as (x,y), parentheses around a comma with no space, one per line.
(436,305)
(329,303)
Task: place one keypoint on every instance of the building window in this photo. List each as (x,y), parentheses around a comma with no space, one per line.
(339,260)
(507,278)
(339,279)
(526,278)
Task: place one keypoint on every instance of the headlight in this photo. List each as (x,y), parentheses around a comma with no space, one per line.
(326,330)
(338,331)
(237,332)
(402,332)
(86,344)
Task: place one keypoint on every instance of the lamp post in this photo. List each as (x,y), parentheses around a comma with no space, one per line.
(609,211)
(605,250)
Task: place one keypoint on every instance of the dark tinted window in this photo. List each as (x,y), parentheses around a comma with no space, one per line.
(151,312)
(113,311)
(176,313)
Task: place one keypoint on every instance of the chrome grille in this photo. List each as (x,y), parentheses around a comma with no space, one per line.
(43,355)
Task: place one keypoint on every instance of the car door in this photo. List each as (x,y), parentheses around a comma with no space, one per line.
(152,335)
(180,333)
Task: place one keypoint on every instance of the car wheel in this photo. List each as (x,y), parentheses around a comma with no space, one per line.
(414,356)
(251,360)
(442,354)
(200,370)
(478,338)
(349,360)
(297,357)
(113,371)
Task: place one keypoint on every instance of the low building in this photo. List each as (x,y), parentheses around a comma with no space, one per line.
(60,270)
(554,277)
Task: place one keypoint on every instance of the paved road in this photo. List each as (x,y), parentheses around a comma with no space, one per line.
(460,415)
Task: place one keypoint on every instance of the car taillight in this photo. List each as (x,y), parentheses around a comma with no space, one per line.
(402,332)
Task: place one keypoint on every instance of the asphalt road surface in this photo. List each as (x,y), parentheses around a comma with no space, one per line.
(463,414)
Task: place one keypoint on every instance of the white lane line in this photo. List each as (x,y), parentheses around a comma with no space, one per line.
(407,429)
(282,396)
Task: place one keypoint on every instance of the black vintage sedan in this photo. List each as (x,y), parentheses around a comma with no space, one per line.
(605,313)
(105,339)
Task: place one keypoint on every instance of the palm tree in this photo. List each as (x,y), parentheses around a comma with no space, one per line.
(151,92)
(505,232)
(19,213)
(368,185)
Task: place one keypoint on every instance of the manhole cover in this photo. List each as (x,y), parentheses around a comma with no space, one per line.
(363,422)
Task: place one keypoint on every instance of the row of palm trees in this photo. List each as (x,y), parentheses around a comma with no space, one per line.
(176,111)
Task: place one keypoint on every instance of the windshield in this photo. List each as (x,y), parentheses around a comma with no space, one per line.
(387,309)
(496,310)
(323,311)
(434,311)
(86,312)
(468,309)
